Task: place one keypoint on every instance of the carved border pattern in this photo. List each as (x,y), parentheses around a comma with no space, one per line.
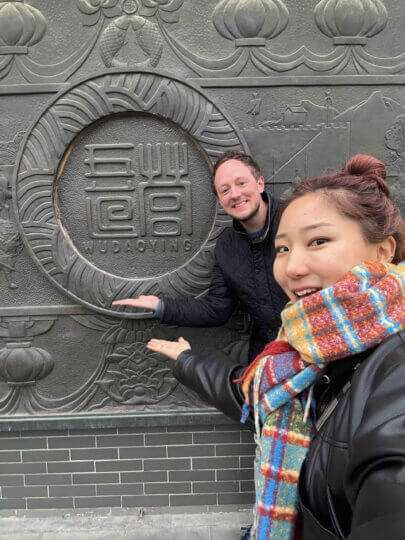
(127,376)
(250,24)
(45,146)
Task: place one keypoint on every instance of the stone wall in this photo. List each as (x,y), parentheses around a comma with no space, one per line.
(111,115)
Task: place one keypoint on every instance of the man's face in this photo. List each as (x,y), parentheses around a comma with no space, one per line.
(238,191)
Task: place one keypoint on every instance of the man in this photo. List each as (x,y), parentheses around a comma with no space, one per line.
(244,255)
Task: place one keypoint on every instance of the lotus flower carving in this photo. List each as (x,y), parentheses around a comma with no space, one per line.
(166,10)
(94,9)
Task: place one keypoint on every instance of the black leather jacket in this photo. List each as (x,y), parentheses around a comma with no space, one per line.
(352,484)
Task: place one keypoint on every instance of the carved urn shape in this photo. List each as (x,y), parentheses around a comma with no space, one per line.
(21,364)
(250,22)
(21,26)
(350,22)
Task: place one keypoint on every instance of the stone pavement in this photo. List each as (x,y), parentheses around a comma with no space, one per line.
(128,524)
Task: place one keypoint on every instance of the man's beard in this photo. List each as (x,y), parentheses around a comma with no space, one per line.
(252,214)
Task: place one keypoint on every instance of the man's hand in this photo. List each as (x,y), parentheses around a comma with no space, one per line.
(146,302)
(172,349)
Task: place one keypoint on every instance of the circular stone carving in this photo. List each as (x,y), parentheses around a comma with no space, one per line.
(148,212)
(112,189)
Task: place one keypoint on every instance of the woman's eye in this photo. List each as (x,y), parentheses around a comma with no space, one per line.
(281,249)
(318,241)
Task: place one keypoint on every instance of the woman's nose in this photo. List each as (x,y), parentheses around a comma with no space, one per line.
(296,264)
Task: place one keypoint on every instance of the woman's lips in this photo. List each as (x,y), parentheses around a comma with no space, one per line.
(301,293)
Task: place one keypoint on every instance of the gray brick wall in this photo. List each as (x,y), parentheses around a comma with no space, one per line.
(126,467)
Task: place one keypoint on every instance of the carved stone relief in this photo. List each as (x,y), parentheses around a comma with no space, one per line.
(22,26)
(295,142)
(21,364)
(42,370)
(251,24)
(249,38)
(106,192)
(131,197)
(10,240)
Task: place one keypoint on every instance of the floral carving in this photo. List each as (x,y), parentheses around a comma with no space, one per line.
(164,9)
(129,331)
(137,376)
(96,8)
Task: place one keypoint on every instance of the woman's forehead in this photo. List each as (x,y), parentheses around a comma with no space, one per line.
(309,206)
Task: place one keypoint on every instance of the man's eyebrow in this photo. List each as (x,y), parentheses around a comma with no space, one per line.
(227,182)
(307,228)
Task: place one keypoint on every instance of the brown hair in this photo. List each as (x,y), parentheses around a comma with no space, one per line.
(359,191)
(237,155)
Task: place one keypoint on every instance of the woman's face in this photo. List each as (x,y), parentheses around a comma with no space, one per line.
(316,246)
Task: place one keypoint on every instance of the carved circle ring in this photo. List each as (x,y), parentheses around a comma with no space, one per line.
(112,188)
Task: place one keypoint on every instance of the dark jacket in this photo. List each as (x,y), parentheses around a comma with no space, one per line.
(352,484)
(243,271)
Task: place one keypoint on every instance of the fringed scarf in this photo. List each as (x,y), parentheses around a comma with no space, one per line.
(357,313)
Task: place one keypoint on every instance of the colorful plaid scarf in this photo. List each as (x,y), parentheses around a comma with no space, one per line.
(362,309)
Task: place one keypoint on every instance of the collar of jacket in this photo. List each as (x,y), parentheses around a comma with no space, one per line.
(330,382)
(272,207)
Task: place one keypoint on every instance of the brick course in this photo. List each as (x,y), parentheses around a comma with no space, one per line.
(127,467)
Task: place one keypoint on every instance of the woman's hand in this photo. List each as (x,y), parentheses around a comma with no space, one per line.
(144,301)
(172,349)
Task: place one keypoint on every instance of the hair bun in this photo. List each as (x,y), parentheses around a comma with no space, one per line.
(370,168)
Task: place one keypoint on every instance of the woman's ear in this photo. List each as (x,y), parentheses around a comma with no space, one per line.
(386,249)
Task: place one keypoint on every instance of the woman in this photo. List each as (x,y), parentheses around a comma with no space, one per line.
(327,398)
